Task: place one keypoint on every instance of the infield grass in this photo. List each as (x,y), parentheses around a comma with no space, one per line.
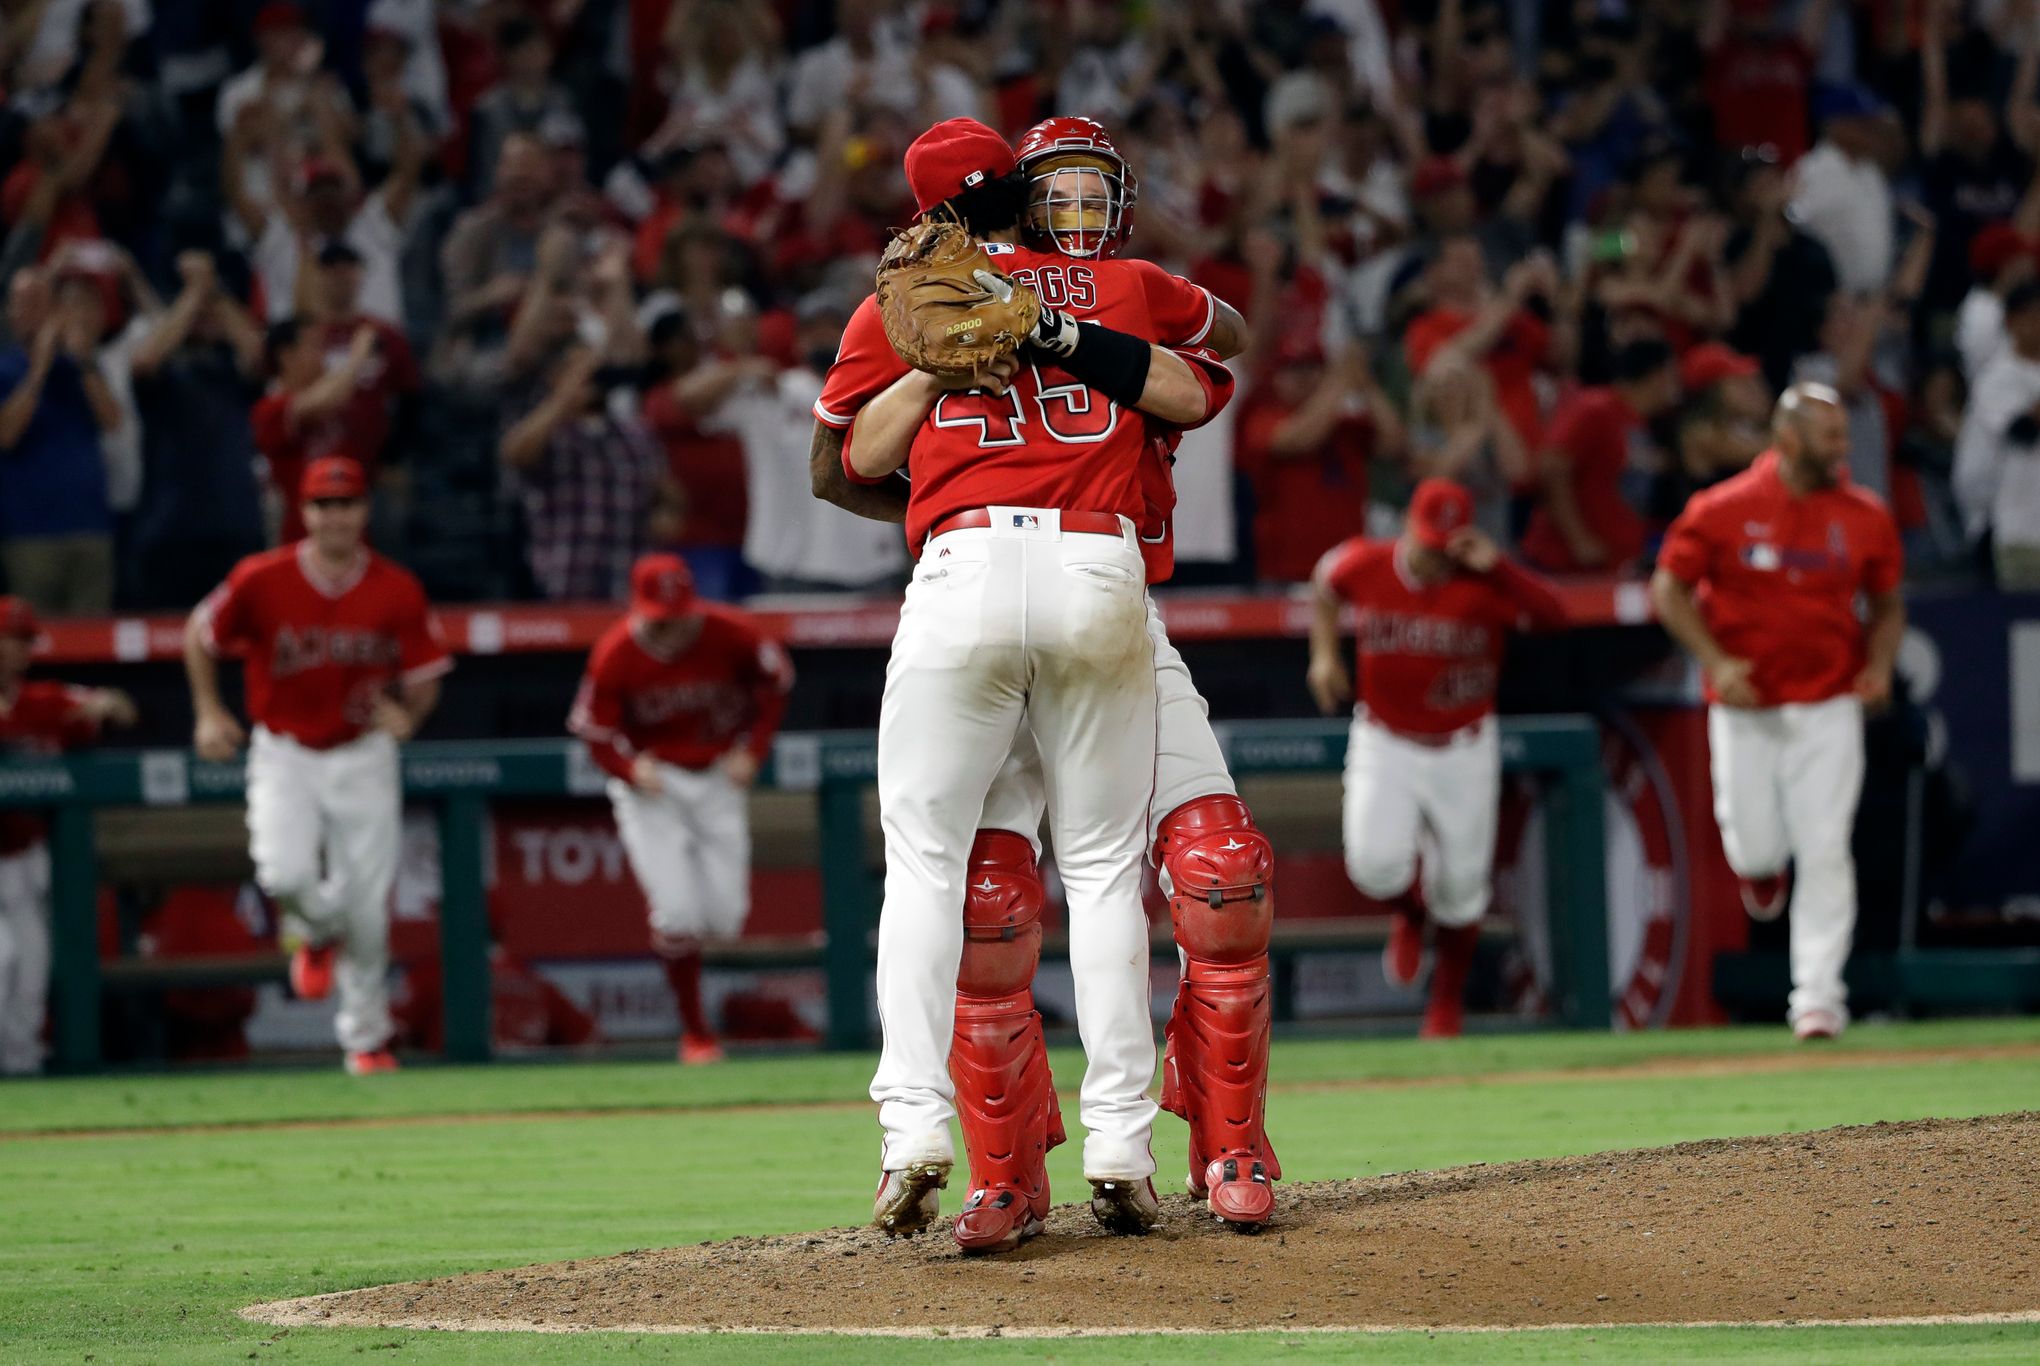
(137,1214)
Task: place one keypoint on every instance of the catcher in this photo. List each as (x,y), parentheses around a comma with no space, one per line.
(936,279)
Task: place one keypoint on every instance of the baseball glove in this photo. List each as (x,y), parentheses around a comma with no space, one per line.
(946,308)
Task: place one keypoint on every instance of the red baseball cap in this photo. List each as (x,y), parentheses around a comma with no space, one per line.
(661,588)
(1709,363)
(1438,509)
(1435,175)
(17,618)
(278,14)
(1995,246)
(953,156)
(332,476)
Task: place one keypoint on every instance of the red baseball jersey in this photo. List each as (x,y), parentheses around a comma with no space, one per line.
(1429,655)
(1048,441)
(315,654)
(40,719)
(1599,436)
(690,709)
(1777,576)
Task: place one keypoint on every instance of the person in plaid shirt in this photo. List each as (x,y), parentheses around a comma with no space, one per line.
(590,481)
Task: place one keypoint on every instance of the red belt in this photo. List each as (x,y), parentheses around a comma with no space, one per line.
(1428,739)
(1081,523)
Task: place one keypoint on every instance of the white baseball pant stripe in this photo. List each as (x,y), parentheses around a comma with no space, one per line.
(24,958)
(1188,761)
(690,847)
(1786,783)
(1005,628)
(324,828)
(1400,794)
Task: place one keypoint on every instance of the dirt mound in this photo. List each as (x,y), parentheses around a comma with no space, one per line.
(1891,1221)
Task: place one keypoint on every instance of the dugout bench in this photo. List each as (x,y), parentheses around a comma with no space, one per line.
(461,778)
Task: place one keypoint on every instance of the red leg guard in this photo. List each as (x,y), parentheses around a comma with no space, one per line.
(1005,1098)
(1216,1073)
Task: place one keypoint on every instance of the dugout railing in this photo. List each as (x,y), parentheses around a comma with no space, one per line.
(460,779)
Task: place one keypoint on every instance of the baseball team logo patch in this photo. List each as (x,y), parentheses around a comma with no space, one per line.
(1026,521)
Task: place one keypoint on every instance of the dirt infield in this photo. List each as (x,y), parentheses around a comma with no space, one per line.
(1891,1221)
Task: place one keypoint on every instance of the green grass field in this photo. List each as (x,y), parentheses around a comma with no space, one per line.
(137,1214)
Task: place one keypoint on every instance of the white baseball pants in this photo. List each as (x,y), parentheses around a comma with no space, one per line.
(1188,761)
(1786,782)
(324,827)
(24,958)
(1007,627)
(1399,792)
(690,847)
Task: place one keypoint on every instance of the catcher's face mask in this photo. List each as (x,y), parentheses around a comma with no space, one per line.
(1078,202)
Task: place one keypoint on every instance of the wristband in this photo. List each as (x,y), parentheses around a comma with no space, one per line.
(1112,362)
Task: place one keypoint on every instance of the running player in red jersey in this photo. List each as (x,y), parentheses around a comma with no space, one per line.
(1436,606)
(341,664)
(36,718)
(679,706)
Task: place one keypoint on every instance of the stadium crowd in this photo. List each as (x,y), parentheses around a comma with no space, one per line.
(564,275)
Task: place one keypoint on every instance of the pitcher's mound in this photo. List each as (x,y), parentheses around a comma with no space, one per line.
(1932,1219)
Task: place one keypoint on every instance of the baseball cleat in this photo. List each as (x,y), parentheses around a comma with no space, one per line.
(1763,897)
(1443,1019)
(695,1051)
(1125,1206)
(1402,962)
(1817,1024)
(311,971)
(1238,1193)
(908,1199)
(995,1219)
(367,1064)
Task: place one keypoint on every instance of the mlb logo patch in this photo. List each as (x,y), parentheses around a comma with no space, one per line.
(997,248)
(1026,521)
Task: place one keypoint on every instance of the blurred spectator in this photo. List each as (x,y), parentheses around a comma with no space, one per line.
(1305,440)
(2001,258)
(1760,66)
(492,251)
(1997,456)
(1779,276)
(526,100)
(1597,465)
(313,409)
(590,480)
(1607,114)
(320,202)
(57,30)
(1458,432)
(1841,194)
(197,368)
(1659,271)
(56,526)
(869,62)
(285,80)
(1465,320)
(721,79)
(698,409)
(99,282)
(796,542)
(48,193)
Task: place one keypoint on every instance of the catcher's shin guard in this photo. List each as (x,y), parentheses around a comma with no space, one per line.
(1005,1097)
(1220,870)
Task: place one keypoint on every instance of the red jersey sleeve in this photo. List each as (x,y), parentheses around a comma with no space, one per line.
(772,680)
(1213,377)
(422,653)
(865,365)
(1884,566)
(1524,599)
(597,714)
(58,712)
(226,616)
(1338,569)
(1688,551)
(1182,312)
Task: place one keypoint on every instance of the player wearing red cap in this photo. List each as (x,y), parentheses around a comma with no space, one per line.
(36,718)
(341,663)
(1435,606)
(679,705)
(1062,431)
(1759,577)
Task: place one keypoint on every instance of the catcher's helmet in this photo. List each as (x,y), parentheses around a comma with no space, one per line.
(1080,191)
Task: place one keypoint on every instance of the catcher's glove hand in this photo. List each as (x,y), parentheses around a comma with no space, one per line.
(946,309)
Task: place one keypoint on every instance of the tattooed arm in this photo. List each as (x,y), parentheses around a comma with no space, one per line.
(881,502)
